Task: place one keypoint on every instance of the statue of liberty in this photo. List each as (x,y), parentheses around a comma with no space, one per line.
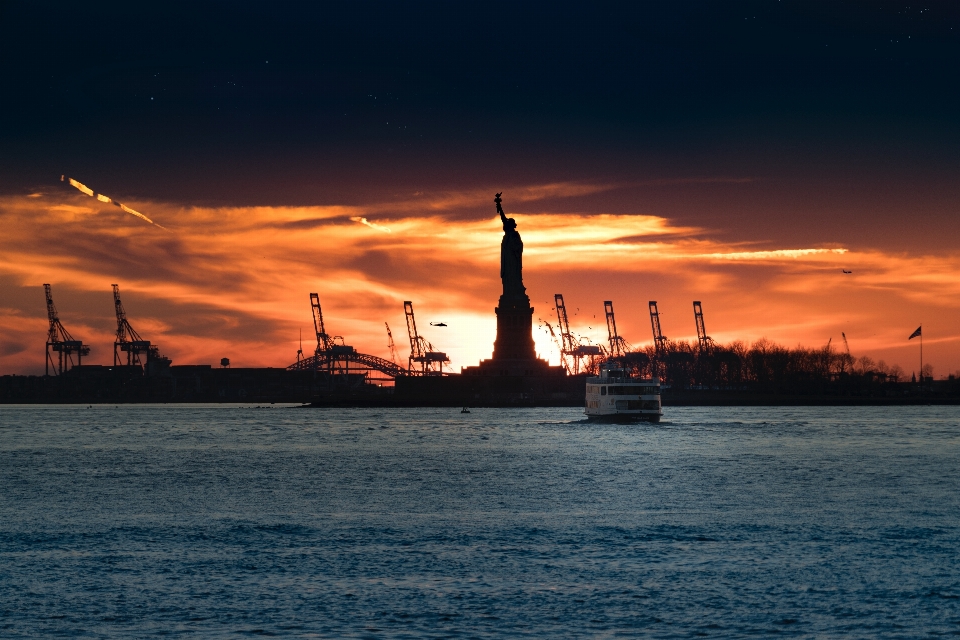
(511,256)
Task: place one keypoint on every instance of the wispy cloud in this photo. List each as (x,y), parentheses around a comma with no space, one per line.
(82,188)
(372,225)
(774,254)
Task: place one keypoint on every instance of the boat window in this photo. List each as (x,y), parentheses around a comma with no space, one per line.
(603,391)
(632,389)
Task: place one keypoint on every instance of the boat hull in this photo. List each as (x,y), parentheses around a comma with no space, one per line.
(624,418)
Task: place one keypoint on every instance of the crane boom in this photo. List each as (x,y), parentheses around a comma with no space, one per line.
(612,336)
(702,336)
(51,310)
(323,340)
(567,342)
(563,323)
(659,340)
(416,346)
(391,345)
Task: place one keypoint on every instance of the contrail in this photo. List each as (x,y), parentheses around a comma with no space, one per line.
(82,188)
(372,225)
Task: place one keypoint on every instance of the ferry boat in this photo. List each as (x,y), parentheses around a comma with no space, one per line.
(615,395)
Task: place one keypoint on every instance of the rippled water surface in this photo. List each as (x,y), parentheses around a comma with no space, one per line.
(229,521)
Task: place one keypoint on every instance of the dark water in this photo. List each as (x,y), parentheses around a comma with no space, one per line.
(213,521)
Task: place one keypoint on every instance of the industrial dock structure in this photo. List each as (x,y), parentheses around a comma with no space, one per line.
(337,374)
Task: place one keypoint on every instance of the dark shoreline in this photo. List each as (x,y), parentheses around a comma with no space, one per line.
(115,385)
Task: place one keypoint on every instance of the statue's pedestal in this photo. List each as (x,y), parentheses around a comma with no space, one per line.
(528,368)
(514,329)
(514,353)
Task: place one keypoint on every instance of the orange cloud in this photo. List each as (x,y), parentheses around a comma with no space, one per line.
(234,281)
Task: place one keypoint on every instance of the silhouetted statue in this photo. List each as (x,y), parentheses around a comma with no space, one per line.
(511,256)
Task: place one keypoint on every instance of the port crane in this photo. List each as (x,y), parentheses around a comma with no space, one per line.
(334,357)
(659,340)
(328,353)
(702,336)
(324,341)
(391,345)
(60,342)
(570,346)
(422,352)
(139,351)
(618,346)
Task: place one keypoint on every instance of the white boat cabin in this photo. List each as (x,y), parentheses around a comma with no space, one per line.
(615,394)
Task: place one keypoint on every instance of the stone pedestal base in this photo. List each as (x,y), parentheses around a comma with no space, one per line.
(514,330)
(526,368)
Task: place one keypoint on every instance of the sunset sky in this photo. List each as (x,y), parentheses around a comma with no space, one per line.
(741,154)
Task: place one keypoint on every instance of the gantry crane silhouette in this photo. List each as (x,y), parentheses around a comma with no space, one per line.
(576,357)
(60,342)
(618,346)
(702,338)
(139,351)
(422,352)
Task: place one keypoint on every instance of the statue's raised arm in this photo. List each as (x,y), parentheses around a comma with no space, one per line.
(508,223)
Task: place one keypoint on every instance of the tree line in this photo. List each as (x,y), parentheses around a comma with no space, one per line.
(764,366)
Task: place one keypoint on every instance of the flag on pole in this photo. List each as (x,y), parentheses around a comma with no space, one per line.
(915,333)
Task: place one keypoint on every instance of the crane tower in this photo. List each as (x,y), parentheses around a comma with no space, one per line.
(324,342)
(334,357)
(391,345)
(128,340)
(618,346)
(571,345)
(659,340)
(702,336)
(564,324)
(60,341)
(422,352)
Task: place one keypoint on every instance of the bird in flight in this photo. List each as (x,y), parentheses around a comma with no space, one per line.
(845,271)
(438,324)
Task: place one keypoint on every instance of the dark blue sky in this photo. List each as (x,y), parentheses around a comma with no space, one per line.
(281,103)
